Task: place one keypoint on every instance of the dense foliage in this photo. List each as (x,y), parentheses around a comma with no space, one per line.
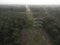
(13,20)
(11,25)
(52,27)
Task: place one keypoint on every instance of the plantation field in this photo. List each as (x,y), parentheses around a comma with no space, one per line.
(29,25)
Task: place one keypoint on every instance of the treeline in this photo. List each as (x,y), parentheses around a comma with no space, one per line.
(12,8)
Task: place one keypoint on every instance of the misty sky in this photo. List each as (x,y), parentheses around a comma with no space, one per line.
(37,2)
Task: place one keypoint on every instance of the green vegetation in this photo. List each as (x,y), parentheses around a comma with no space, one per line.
(11,25)
(52,27)
(13,20)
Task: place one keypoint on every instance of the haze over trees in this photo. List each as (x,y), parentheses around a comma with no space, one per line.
(16,29)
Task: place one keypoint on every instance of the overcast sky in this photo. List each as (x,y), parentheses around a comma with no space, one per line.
(37,2)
